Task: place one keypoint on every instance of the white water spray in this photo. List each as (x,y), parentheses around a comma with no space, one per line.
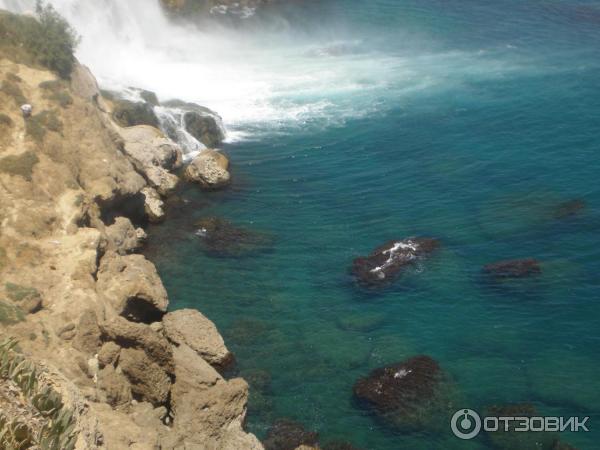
(256,80)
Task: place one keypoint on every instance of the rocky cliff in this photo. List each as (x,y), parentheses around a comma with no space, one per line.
(84,306)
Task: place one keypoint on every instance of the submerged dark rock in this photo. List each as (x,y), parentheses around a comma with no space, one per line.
(513,440)
(289,435)
(339,445)
(569,208)
(516,268)
(409,395)
(387,262)
(221,238)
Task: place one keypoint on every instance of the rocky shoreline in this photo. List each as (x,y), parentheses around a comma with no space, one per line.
(82,303)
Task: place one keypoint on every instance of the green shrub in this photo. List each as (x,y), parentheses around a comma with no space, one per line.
(58,431)
(5,121)
(55,90)
(127,114)
(21,165)
(10,314)
(18,293)
(13,77)
(3,258)
(36,125)
(48,41)
(13,90)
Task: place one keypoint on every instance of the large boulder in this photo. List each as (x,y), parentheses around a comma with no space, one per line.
(154,155)
(289,435)
(153,205)
(516,268)
(128,334)
(127,113)
(203,124)
(132,286)
(209,170)
(388,261)
(411,395)
(148,380)
(189,327)
(204,127)
(114,387)
(123,238)
(209,411)
(87,335)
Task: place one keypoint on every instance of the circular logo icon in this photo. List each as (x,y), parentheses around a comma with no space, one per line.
(466,424)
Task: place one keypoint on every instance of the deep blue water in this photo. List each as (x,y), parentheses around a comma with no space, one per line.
(503,129)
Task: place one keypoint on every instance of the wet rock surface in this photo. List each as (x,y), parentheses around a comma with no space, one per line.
(408,395)
(220,237)
(202,123)
(569,208)
(386,263)
(127,113)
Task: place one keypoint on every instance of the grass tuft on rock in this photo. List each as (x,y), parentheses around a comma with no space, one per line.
(19,165)
(55,90)
(41,420)
(5,121)
(12,90)
(46,40)
(18,293)
(10,314)
(37,125)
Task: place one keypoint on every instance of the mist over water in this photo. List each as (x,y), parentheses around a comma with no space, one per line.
(315,65)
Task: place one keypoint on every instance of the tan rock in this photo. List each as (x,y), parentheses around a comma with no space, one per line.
(137,335)
(191,372)
(122,237)
(148,380)
(153,205)
(154,155)
(87,337)
(190,327)
(209,169)
(132,287)
(83,82)
(108,354)
(66,332)
(114,387)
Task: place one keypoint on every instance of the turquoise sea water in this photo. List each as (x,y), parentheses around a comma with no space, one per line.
(484,119)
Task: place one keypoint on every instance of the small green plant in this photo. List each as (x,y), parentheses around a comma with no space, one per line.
(5,121)
(13,77)
(55,91)
(3,258)
(37,125)
(20,165)
(12,90)
(48,41)
(18,293)
(58,431)
(10,314)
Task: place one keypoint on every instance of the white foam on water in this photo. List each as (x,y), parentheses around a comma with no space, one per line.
(253,79)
